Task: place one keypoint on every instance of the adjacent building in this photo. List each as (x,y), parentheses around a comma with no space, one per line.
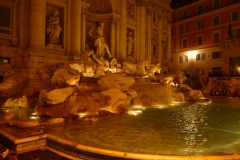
(206,36)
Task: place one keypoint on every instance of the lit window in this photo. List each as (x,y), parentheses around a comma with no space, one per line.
(201,56)
(216,21)
(183,59)
(216,55)
(200,25)
(5,14)
(199,9)
(235,16)
(4,60)
(216,37)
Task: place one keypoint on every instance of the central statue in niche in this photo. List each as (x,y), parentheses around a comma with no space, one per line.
(99,41)
(104,61)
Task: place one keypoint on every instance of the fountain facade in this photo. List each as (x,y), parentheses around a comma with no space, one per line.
(70,67)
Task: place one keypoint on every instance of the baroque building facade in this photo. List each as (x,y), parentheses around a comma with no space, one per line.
(205,35)
(34,33)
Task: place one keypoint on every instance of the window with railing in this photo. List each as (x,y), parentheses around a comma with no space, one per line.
(201,56)
(183,59)
(216,55)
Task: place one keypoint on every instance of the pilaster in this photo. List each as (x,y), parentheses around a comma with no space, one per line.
(37,23)
(122,29)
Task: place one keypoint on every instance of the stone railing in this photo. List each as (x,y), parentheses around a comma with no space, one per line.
(9,34)
(233,43)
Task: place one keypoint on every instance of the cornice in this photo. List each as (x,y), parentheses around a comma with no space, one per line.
(210,13)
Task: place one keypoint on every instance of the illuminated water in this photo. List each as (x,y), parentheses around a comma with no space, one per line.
(180,129)
(183,129)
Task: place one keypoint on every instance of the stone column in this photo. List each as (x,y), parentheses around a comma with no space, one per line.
(113,37)
(37,23)
(75,27)
(149,48)
(142,9)
(169,39)
(117,40)
(83,28)
(160,30)
(122,30)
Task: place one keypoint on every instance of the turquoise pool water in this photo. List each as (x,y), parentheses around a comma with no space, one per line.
(179,129)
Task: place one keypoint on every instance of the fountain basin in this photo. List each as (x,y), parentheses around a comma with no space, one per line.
(203,132)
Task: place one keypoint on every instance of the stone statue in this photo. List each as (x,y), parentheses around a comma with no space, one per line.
(53,29)
(152,70)
(99,40)
(130,41)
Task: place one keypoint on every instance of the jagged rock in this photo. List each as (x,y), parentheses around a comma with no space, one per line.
(115,98)
(13,85)
(152,94)
(3,152)
(6,116)
(53,121)
(12,156)
(56,96)
(24,123)
(62,76)
(115,81)
(37,131)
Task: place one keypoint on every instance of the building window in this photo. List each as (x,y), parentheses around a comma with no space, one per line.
(216,55)
(4,60)
(185,14)
(184,29)
(201,56)
(236,33)
(199,40)
(200,25)
(216,71)
(234,16)
(183,59)
(216,21)
(184,43)
(216,37)
(154,17)
(234,1)
(5,14)
(199,9)
(216,4)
